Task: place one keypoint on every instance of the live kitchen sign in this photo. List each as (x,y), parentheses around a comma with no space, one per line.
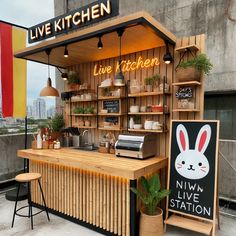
(89,14)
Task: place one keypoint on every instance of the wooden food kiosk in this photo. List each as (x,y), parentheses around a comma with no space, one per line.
(93,188)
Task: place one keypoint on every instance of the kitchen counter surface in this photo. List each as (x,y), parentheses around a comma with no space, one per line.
(97,162)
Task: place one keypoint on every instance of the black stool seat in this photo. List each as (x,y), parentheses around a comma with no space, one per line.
(27,178)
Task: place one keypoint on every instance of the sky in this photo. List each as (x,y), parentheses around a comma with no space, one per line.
(28,13)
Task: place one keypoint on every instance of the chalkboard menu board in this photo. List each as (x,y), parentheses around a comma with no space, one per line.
(193,167)
(112,106)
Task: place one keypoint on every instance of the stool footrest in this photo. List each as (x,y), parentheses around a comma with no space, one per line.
(27,215)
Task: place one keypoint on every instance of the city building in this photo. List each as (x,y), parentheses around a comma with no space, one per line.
(39,109)
(51,112)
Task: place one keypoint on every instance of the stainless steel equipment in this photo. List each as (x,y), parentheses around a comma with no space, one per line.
(136,146)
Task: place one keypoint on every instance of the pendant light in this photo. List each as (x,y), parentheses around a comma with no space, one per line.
(167,57)
(49,91)
(66,53)
(119,78)
(100,44)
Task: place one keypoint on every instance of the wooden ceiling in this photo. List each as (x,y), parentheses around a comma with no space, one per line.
(141,32)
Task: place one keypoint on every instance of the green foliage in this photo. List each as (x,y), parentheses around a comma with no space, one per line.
(200,63)
(57,122)
(81,110)
(73,77)
(152,193)
(154,80)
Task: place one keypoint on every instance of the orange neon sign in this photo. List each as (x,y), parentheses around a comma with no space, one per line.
(126,65)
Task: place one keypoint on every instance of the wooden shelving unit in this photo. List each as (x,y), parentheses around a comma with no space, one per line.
(146,130)
(84,100)
(110,97)
(73,114)
(146,113)
(145,94)
(191,47)
(112,128)
(187,83)
(111,114)
(186,110)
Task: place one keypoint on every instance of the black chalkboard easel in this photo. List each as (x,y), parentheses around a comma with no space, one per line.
(192,175)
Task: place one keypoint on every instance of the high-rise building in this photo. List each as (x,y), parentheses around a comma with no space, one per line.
(30,111)
(39,109)
(51,112)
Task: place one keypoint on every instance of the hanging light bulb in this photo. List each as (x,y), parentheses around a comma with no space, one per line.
(100,44)
(49,91)
(119,78)
(66,54)
(64,76)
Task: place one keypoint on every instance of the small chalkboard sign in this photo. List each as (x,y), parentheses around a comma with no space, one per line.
(112,119)
(193,168)
(186,92)
(112,106)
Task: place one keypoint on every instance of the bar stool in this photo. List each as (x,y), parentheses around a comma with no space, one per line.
(27,178)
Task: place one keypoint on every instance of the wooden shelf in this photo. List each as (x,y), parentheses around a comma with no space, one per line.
(187,83)
(110,97)
(186,110)
(186,223)
(146,130)
(191,47)
(84,114)
(145,94)
(111,114)
(112,128)
(110,86)
(146,113)
(87,127)
(85,100)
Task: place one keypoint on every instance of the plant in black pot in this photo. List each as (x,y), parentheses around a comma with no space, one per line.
(151,219)
(192,69)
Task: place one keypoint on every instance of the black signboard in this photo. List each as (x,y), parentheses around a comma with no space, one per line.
(76,19)
(186,92)
(112,106)
(193,167)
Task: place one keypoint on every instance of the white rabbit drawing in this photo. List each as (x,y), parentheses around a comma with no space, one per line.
(192,164)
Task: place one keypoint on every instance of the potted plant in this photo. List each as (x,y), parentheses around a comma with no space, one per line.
(151,220)
(73,79)
(156,81)
(56,125)
(149,83)
(192,69)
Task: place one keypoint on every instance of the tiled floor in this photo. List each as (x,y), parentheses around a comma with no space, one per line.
(61,227)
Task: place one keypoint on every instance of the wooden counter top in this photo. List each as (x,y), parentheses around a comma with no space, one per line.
(95,161)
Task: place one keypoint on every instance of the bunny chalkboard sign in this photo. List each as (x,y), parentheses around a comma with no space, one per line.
(193,168)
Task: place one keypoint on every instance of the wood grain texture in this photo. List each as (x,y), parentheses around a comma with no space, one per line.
(94,161)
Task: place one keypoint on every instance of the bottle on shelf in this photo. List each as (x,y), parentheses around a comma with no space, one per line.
(131,123)
(39,140)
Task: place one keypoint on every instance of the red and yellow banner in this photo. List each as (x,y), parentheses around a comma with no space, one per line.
(12,71)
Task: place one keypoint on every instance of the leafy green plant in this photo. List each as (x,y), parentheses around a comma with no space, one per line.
(73,77)
(89,110)
(152,193)
(78,110)
(156,79)
(57,122)
(200,63)
(149,81)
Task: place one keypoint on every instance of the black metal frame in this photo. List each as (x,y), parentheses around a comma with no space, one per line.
(30,204)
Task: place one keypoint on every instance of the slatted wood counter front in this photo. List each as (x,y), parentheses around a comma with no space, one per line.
(90,187)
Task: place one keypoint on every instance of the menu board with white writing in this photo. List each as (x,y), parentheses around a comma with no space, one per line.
(193,167)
